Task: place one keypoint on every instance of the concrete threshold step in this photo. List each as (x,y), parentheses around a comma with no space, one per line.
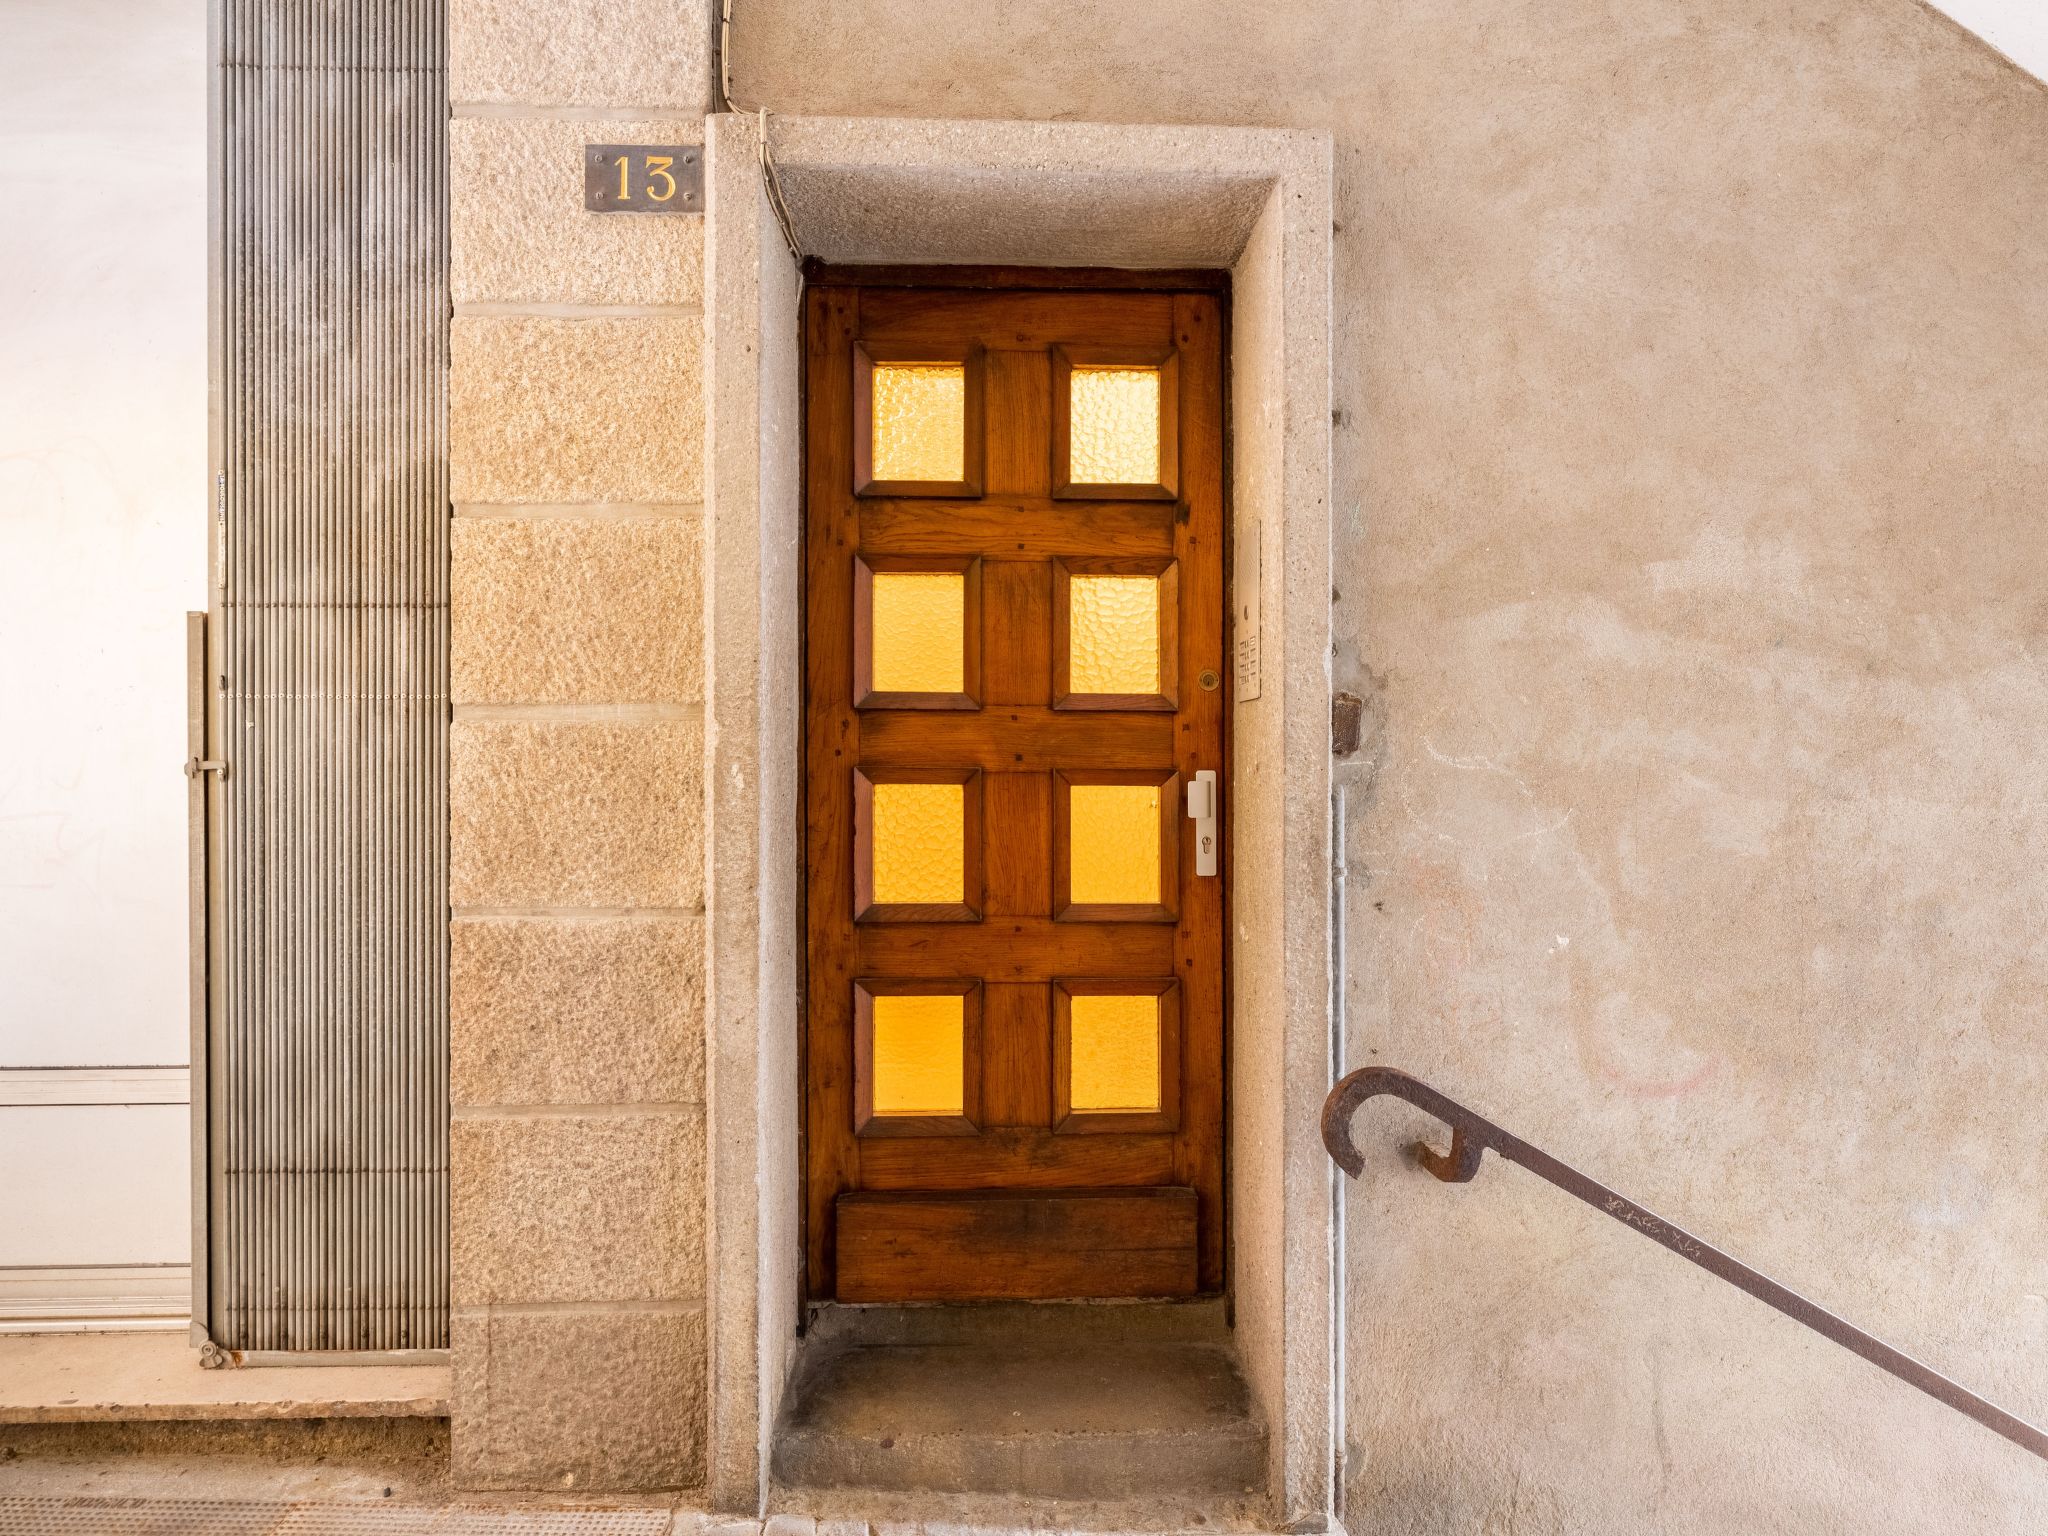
(874,1512)
(124,1377)
(1090,1412)
(1198,1320)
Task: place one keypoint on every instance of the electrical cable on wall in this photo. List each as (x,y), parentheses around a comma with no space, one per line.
(771,182)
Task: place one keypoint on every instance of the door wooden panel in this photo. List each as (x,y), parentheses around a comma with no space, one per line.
(1030,949)
(1004,1245)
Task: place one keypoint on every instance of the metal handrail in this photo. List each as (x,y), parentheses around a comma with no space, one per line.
(1472,1135)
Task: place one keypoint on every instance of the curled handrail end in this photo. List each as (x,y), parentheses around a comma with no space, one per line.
(1352,1090)
(1456,1166)
(1337,1132)
(1343,1099)
(1346,1158)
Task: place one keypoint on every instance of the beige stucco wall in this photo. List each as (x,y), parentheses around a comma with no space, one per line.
(1692,378)
(576,796)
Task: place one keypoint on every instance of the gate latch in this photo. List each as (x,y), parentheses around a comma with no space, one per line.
(195,766)
(1202,812)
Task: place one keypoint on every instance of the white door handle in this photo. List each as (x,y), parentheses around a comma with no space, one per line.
(1202,812)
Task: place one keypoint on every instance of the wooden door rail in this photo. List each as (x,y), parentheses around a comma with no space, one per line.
(1472,1135)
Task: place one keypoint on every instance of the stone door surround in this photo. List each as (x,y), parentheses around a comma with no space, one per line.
(1253,201)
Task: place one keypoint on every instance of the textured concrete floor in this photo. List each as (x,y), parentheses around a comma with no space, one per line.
(121,1377)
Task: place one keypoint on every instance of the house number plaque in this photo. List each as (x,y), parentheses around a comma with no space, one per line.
(643,178)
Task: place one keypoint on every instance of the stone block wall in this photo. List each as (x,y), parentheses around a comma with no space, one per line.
(576,793)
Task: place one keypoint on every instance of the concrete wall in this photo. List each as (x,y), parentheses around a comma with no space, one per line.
(576,425)
(1692,370)
(103,514)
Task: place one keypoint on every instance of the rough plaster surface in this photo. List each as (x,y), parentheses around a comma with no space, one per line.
(1069,217)
(576,1010)
(1690,369)
(541,1203)
(518,231)
(546,408)
(570,610)
(591,1401)
(575,813)
(652,53)
(1031,193)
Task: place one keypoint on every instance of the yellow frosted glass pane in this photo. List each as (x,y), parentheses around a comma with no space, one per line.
(1113,843)
(918,632)
(919,1061)
(1113,634)
(920,843)
(920,421)
(1113,426)
(1113,1055)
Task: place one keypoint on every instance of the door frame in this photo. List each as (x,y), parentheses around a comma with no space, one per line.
(1257,203)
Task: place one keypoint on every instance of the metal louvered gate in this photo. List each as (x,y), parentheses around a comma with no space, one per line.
(323,1184)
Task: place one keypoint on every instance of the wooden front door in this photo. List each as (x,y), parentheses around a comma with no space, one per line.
(1014,662)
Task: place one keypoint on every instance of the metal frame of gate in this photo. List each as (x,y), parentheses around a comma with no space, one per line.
(319,691)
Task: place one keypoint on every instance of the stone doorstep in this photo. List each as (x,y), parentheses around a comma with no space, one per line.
(118,1377)
(1050,1419)
(928,1516)
(785,1524)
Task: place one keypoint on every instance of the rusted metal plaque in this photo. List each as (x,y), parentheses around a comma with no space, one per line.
(643,178)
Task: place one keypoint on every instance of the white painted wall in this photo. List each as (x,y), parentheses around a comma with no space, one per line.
(2016,28)
(103,500)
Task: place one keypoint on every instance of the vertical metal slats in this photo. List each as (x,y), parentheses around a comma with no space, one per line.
(328,1095)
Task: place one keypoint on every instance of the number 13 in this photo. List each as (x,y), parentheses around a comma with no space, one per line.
(657,170)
